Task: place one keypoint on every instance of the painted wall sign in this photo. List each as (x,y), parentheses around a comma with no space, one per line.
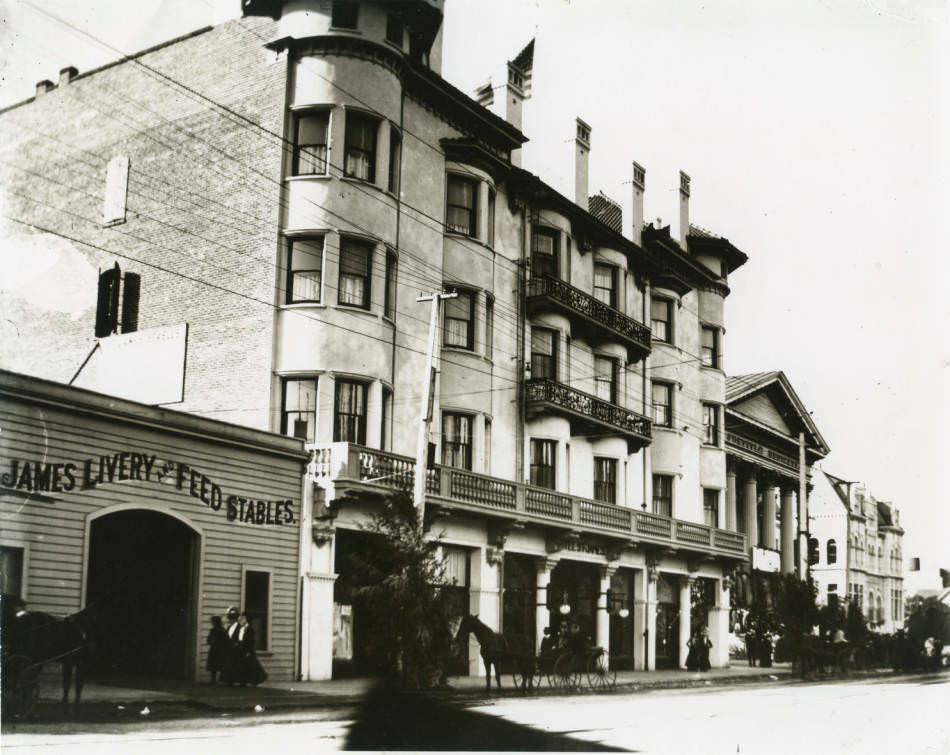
(38,476)
(579,546)
(766,559)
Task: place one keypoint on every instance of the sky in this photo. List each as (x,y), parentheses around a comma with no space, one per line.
(816,136)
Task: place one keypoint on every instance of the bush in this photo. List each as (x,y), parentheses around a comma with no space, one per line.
(401,589)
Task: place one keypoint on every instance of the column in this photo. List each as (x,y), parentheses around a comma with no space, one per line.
(542,615)
(374,415)
(381,179)
(484,597)
(639,619)
(719,626)
(603,618)
(686,588)
(769,516)
(750,499)
(653,573)
(731,498)
(317,608)
(788,530)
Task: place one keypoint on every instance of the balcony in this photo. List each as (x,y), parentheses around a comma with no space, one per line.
(351,472)
(588,414)
(590,318)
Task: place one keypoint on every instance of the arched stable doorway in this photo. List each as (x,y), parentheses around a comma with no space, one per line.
(143,585)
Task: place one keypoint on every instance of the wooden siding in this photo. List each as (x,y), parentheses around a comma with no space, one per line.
(54,525)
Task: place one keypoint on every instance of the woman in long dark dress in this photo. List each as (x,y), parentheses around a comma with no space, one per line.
(218,648)
(249,669)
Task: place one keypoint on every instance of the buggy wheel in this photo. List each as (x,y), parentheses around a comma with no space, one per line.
(599,673)
(21,687)
(530,681)
(566,675)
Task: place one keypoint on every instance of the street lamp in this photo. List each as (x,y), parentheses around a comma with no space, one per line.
(565,607)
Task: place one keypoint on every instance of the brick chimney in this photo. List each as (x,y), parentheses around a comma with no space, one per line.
(639,186)
(684,209)
(66,75)
(42,87)
(581,159)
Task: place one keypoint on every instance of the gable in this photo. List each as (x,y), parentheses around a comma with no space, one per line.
(760,407)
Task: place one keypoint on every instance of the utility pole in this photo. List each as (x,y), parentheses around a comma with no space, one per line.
(425,413)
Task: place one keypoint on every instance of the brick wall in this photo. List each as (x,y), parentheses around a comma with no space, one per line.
(203,207)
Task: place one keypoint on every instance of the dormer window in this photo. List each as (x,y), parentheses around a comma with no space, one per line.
(345,14)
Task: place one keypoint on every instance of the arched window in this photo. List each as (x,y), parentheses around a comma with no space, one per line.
(832,552)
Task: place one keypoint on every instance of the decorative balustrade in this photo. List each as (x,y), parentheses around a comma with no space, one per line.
(588,407)
(597,315)
(346,463)
(759,450)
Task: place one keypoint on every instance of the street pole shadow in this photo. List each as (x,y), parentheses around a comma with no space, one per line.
(390,719)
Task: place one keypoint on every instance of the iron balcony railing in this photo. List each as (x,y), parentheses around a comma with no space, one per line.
(346,464)
(600,321)
(588,410)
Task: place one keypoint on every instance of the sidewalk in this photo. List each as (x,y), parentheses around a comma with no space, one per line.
(130,697)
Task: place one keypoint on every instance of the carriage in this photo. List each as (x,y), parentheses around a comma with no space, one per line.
(566,669)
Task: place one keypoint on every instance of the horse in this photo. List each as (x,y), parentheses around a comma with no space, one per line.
(492,646)
(44,638)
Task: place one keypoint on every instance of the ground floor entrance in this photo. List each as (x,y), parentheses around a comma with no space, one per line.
(142,588)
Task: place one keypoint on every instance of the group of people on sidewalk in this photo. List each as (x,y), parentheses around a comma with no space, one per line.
(231,651)
(697,659)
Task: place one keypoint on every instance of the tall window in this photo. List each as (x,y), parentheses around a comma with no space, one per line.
(544,353)
(257,605)
(386,421)
(389,304)
(461,204)
(349,422)
(457,440)
(663,494)
(711,507)
(360,146)
(345,14)
(605,284)
(395,158)
(11,570)
(489,325)
(543,464)
(831,552)
(710,347)
(490,236)
(605,378)
(662,405)
(310,143)
(711,424)
(354,273)
(544,252)
(305,270)
(394,29)
(460,321)
(661,320)
(605,479)
(299,411)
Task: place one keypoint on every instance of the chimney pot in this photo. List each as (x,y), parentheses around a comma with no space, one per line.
(684,209)
(67,74)
(581,161)
(639,186)
(42,87)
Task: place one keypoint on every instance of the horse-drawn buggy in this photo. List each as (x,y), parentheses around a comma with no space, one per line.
(565,665)
(31,639)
